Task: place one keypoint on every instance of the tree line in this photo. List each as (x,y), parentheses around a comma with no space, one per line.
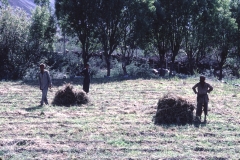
(201,29)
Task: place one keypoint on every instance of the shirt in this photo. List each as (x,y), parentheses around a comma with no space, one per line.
(202,89)
(44,79)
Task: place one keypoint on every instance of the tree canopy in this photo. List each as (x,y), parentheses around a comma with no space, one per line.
(201,29)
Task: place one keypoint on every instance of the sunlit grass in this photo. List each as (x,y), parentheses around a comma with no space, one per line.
(117,122)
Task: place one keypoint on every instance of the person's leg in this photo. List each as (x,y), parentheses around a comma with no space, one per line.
(42,100)
(205,110)
(45,90)
(199,110)
(86,85)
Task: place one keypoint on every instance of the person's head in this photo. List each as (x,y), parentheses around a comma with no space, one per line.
(87,65)
(202,79)
(42,66)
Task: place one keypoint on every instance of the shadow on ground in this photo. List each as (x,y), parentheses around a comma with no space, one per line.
(33,108)
(194,123)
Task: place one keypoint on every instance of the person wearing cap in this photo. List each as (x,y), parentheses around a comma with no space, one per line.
(202,91)
(44,83)
(86,81)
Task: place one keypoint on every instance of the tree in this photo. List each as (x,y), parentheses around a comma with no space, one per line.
(3,3)
(159,31)
(225,28)
(14,27)
(78,18)
(170,26)
(235,10)
(42,31)
(42,3)
(111,26)
(135,26)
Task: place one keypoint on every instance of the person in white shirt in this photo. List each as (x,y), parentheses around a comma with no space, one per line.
(203,89)
(45,83)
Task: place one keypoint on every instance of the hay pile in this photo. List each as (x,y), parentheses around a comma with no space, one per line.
(174,110)
(68,96)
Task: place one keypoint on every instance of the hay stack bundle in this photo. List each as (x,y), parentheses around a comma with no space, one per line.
(173,109)
(68,96)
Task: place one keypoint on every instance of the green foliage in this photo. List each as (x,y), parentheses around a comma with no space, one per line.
(78,18)
(3,3)
(14,24)
(42,2)
(42,30)
(156,27)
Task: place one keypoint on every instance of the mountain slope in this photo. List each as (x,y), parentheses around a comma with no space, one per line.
(27,5)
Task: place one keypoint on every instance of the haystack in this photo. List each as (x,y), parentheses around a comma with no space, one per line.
(174,110)
(68,96)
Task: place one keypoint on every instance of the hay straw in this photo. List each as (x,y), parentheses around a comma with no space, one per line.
(174,109)
(67,96)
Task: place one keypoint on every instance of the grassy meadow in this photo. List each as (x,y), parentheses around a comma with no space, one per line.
(117,123)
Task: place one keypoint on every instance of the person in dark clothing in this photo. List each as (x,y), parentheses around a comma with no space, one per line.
(202,97)
(86,81)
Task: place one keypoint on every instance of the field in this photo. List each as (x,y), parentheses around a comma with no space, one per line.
(117,123)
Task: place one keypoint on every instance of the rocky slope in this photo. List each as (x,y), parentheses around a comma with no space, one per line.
(27,5)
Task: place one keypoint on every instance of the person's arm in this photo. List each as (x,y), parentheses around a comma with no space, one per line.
(49,80)
(194,88)
(210,88)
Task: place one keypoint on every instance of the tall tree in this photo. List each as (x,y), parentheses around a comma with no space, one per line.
(134,35)
(159,31)
(111,26)
(235,10)
(171,23)
(42,30)
(14,27)
(78,18)
(225,29)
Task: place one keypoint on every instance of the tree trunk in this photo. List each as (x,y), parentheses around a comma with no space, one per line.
(172,65)
(190,61)
(124,70)
(108,68)
(108,63)
(161,56)
(220,72)
(175,49)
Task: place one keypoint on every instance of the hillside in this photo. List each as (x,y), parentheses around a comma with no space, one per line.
(27,5)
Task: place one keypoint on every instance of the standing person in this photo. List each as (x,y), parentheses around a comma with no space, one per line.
(203,89)
(86,81)
(44,82)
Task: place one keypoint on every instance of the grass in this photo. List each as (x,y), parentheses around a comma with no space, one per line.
(117,123)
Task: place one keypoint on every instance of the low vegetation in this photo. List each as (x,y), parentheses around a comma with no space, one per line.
(117,123)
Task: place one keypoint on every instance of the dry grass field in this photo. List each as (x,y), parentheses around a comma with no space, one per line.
(117,123)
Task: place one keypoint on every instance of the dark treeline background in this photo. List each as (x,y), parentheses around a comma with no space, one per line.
(184,36)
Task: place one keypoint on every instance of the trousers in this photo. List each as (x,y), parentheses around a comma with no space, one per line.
(44,96)
(202,102)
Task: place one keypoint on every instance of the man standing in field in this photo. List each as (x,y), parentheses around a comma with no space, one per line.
(203,89)
(44,82)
